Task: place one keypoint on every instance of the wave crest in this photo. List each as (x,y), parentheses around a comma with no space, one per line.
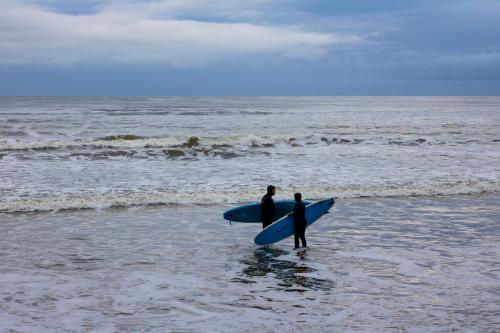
(57,203)
(136,141)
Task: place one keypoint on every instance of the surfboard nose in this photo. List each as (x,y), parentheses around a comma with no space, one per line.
(227,215)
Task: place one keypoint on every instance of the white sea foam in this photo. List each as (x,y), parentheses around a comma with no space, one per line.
(101,201)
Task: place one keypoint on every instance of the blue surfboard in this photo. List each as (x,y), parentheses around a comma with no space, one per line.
(251,213)
(283,228)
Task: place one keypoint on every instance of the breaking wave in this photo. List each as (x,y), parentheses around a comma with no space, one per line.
(131,141)
(136,141)
(131,199)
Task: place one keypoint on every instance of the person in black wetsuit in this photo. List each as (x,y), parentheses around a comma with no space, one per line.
(300,222)
(268,210)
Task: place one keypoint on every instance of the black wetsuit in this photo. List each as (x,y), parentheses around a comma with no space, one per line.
(268,210)
(300,222)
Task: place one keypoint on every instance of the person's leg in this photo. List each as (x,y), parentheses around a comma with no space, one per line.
(296,237)
(303,236)
(303,239)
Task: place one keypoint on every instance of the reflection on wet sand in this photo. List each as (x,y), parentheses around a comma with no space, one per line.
(265,260)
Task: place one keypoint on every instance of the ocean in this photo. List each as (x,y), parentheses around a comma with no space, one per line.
(111,214)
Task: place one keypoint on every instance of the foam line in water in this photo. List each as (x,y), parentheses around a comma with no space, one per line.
(56,203)
(133,141)
(136,141)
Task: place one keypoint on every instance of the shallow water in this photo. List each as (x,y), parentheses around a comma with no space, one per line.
(401,264)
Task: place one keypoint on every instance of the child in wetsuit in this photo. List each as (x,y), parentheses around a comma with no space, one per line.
(300,222)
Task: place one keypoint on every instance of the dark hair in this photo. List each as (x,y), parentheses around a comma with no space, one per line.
(297,196)
(270,189)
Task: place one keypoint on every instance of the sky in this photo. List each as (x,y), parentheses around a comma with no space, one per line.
(252,47)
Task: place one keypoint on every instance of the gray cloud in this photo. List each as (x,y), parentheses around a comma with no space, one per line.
(250,47)
(149,32)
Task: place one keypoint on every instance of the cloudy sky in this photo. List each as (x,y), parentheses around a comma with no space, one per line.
(250,47)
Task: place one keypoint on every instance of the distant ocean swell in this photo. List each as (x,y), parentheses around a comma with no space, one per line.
(102,201)
(128,145)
